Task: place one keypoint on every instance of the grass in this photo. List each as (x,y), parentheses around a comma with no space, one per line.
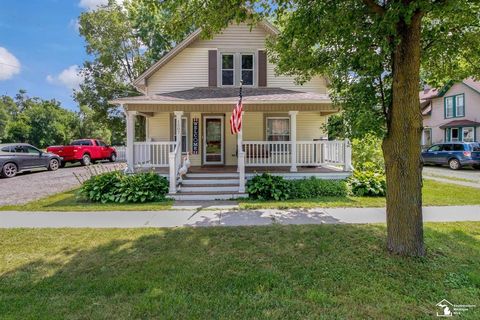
(434,194)
(444,176)
(275,272)
(69,201)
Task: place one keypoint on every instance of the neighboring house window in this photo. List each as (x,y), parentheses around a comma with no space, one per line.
(427,137)
(468,134)
(453,134)
(278,129)
(184,133)
(455,106)
(228,69)
(247,69)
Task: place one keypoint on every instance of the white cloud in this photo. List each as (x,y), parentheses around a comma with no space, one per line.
(70,77)
(9,64)
(94,4)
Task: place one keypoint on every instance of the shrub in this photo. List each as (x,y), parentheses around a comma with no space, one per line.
(118,187)
(368,183)
(314,188)
(367,154)
(268,187)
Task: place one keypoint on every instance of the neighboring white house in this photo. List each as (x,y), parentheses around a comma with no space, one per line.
(451,113)
(188,98)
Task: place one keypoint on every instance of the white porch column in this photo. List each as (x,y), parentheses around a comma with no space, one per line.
(347,153)
(130,139)
(178,136)
(293,139)
(239,144)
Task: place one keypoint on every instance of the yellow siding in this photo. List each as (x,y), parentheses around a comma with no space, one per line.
(159,127)
(236,36)
(309,126)
(253,126)
(316,84)
(187,70)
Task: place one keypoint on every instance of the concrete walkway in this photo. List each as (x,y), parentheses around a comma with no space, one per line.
(208,218)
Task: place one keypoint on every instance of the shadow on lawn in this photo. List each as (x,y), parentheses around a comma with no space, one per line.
(339,271)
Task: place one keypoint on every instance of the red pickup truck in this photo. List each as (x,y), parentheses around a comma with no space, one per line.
(85,151)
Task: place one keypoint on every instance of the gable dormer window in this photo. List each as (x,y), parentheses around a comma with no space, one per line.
(247,69)
(236,66)
(228,69)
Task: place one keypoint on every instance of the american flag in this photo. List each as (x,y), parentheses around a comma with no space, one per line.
(236,118)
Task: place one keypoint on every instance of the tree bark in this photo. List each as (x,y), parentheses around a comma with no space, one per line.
(401,146)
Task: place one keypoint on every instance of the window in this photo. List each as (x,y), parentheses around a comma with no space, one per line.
(278,129)
(449,107)
(184,133)
(32,150)
(101,143)
(455,106)
(458,147)
(447,147)
(247,69)
(6,149)
(427,137)
(228,69)
(468,134)
(435,148)
(459,106)
(81,143)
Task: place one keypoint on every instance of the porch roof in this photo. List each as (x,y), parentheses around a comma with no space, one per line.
(207,95)
(460,123)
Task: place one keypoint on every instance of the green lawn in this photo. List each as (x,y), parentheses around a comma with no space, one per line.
(275,272)
(69,201)
(434,194)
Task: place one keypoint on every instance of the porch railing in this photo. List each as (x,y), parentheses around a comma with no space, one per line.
(308,153)
(152,154)
(174,163)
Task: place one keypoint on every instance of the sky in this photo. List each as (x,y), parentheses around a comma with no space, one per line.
(41,49)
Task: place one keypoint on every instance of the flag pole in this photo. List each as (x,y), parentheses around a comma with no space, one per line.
(240,132)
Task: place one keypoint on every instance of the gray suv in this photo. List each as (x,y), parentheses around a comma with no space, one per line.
(17,157)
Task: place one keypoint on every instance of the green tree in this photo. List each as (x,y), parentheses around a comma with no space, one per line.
(123,40)
(372,51)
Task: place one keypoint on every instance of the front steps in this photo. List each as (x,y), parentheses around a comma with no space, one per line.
(209,186)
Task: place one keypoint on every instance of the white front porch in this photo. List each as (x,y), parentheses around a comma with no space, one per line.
(292,159)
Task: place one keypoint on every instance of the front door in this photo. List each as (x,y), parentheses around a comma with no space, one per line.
(213,140)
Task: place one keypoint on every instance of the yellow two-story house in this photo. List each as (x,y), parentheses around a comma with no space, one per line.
(188,99)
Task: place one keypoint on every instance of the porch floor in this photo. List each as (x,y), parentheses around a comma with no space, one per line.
(252,170)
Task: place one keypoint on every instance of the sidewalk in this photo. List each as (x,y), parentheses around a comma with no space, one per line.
(208,218)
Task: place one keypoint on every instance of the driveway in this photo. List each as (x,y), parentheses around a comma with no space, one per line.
(465,176)
(40,183)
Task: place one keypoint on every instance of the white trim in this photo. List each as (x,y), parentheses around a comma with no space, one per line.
(204,143)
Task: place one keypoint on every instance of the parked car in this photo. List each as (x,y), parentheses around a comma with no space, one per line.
(18,157)
(453,154)
(84,151)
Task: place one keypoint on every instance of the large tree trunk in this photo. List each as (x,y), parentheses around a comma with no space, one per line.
(401,147)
